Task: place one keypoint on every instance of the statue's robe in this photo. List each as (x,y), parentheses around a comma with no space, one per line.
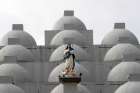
(69,60)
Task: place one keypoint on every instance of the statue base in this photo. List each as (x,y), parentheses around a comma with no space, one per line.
(64,79)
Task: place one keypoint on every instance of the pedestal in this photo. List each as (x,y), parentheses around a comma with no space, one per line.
(64,79)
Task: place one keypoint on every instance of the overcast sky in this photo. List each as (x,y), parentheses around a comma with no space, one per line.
(40,15)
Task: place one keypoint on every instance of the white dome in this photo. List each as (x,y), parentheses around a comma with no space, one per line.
(23,38)
(58,54)
(53,77)
(123,52)
(72,20)
(15,71)
(122,71)
(119,36)
(78,89)
(73,35)
(129,87)
(10,88)
(17,51)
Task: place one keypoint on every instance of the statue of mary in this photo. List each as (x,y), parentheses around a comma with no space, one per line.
(69,58)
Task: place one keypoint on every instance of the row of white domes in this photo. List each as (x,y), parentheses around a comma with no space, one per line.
(58,53)
(112,38)
(19,51)
(115,50)
(28,41)
(22,40)
(21,54)
(57,56)
(120,52)
(9,55)
(126,55)
(116,36)
(126,72)
(12,53)
(15,73)
(75,25)
(15,50)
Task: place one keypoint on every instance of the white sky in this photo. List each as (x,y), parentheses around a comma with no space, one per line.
(40,15)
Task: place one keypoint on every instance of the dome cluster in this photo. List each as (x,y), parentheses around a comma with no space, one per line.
(69,33)
(70,30)
(126,54)
(15,51)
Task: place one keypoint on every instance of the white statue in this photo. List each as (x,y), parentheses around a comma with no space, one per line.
(69,58)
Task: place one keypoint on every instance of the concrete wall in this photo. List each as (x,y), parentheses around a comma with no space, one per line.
(41,68)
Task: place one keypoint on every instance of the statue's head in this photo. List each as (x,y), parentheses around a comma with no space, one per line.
(68,46)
